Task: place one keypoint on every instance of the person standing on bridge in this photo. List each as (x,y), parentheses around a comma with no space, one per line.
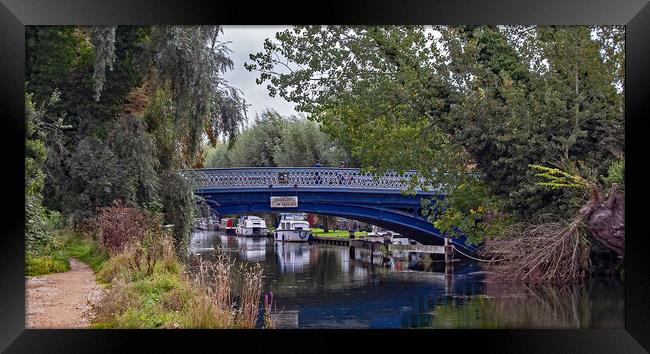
(339,175)
(318,178)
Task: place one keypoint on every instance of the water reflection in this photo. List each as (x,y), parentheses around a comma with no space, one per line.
(294,256)
(321,286)
(505,305)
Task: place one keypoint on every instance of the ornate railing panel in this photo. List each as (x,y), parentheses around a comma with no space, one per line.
(297,177)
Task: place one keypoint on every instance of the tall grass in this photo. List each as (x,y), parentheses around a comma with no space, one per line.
(250,296)
(214,305)
(171,297)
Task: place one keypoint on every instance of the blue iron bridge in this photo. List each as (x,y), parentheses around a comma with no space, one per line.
(343,192)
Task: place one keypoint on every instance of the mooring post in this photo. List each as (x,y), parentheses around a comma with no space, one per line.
(449,258)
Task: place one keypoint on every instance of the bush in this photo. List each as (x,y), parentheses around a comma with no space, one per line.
(139,259)
(119,225)
(54,221)
(169,299)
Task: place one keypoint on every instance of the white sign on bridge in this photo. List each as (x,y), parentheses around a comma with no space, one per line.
(284,202)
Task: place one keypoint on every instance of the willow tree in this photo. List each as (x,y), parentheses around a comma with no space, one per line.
(189,98)
(275,140)
(136,102)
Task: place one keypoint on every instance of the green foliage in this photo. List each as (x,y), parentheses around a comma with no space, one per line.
(103,38)
(255,146)
(189,62)
(46,264)
(336,233)
(167,298)
(217,156)
(63,244)
(302,143)
(556,178)
(468,209)
(50,257)
(177,198)
(97,176)
(36,215)
(616,174)
(134,103)
(135,149)
(51,53)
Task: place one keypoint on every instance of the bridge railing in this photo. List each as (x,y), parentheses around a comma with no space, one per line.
(315,177)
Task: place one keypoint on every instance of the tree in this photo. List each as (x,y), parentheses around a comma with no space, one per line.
(302,143)
(274,140)
(217,156)
(255,146)
(35,233)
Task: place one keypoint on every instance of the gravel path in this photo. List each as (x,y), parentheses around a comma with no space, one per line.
(62,300)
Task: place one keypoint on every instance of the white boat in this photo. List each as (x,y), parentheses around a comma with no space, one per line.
(210,224)
(292,228)
(379,234)
(251,226)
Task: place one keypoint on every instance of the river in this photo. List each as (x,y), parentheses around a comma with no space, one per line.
(320,286)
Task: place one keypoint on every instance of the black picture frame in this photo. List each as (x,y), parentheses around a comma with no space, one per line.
(15,14)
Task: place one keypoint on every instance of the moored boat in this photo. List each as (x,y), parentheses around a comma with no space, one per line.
(251,226)
(292,228)
(228,226)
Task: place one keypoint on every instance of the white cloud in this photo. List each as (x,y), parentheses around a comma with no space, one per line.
(246,40)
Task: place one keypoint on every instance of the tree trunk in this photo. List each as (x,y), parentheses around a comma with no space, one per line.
(605,219)
(326,224)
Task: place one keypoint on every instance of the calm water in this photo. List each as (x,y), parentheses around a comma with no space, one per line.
(320,286)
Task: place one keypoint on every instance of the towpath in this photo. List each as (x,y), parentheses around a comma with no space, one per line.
(62,300)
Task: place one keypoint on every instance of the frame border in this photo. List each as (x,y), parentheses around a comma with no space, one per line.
(635,14)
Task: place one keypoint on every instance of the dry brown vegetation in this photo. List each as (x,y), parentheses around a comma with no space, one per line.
(213,307)
(550,252)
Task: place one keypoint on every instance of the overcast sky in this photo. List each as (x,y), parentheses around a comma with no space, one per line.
(246,40)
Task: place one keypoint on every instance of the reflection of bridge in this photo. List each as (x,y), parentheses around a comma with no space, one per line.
(344,192)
